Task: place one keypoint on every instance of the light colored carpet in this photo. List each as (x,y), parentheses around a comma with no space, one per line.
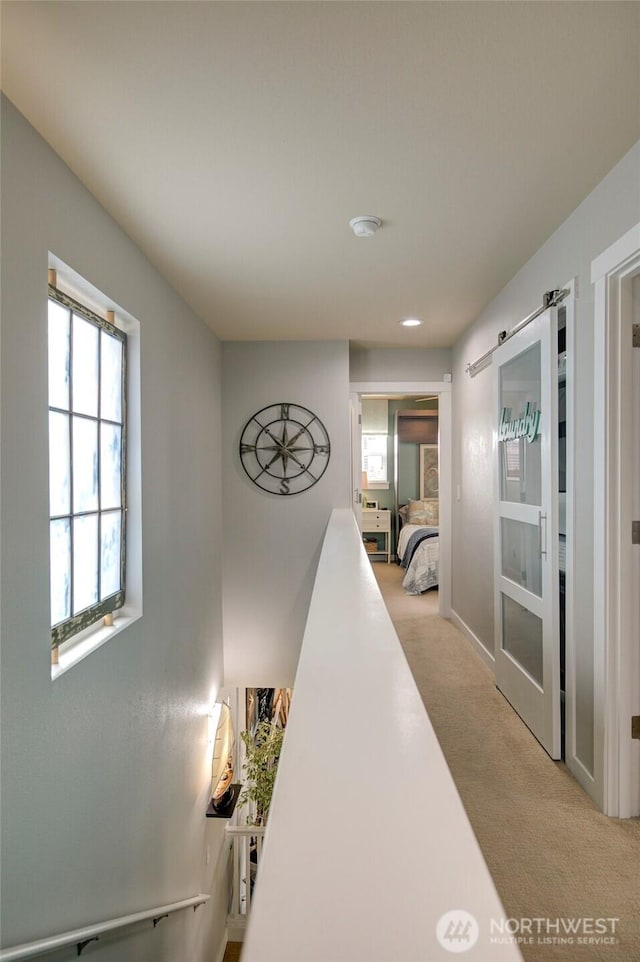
(552,854)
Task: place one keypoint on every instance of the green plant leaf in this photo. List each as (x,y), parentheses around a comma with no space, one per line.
(261,765)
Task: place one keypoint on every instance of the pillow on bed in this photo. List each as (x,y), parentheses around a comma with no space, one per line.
(423,512)
(403,513)
(416,513)
(432,510)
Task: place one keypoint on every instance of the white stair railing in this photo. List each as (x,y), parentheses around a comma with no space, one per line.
(91,933)
(246,849)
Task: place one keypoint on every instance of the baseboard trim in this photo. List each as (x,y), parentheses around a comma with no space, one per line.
(584,778)
(223,949)
(484,653)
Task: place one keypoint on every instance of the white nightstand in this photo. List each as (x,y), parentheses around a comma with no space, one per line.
(378,521)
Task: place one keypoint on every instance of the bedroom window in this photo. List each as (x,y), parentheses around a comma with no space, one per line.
(374,457)
(87,465)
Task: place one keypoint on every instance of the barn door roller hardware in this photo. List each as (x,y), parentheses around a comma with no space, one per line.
(550,299)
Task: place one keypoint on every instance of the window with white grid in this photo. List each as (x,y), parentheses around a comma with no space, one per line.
(87,465)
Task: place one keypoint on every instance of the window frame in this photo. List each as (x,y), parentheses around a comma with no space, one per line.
(371,434)
(67,629)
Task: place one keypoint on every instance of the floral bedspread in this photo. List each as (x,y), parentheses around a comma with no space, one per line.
(422,572)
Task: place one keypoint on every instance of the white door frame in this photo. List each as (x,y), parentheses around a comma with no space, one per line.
(355,419)
(616,645)
(443,390)
(580,772)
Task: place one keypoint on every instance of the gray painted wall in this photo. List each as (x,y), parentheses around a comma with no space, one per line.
(607,213)
(104,771)
(398,363)
(272,542)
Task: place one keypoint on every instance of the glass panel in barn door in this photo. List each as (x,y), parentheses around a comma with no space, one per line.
(526,516)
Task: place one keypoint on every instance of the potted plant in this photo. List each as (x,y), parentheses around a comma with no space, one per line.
(262,752)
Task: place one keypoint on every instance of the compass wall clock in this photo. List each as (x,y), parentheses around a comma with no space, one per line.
(284,448)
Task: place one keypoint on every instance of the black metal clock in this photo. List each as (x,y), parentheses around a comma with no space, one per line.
(284,448)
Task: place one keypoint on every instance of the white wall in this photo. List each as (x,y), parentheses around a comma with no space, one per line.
(272,542)
(104,771)
(610,210)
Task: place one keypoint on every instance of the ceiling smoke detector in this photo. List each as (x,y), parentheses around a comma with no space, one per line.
(364,226)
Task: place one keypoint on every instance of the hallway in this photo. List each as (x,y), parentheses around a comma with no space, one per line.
(552,854)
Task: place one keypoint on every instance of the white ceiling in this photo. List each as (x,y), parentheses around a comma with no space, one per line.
(233,141)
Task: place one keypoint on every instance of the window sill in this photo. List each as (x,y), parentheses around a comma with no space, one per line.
(76,649)
(378,486)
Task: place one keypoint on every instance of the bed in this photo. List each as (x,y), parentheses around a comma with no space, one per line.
(418,549)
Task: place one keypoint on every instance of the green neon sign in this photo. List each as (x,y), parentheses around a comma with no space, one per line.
(526,426)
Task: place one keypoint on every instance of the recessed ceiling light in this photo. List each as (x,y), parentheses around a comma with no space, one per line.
(411,322)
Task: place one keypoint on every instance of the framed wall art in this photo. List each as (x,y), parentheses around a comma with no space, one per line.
(429,473)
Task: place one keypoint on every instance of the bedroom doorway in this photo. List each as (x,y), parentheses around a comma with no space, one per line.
(404,395)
